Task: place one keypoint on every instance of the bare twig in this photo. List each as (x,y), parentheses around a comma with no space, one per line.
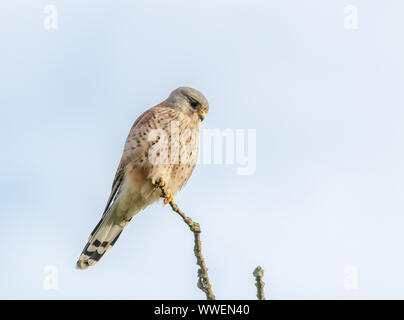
(259,274)
(203,278)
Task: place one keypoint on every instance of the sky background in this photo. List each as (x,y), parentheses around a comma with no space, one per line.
(327,105)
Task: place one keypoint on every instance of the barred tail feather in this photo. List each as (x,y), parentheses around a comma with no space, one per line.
(103,237)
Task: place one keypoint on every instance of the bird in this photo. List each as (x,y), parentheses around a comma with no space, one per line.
(161,149)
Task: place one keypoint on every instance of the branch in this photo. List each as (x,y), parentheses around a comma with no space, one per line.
(203,278)
(259,274)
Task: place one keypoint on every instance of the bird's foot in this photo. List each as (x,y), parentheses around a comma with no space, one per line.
(158,183)
(168,198)
(166,193)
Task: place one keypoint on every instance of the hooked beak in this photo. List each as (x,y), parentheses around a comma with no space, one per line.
(201,115)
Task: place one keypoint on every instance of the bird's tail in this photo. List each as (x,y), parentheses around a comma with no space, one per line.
(103,237)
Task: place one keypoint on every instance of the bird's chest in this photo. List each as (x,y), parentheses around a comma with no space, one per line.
(172,150)
(184,149)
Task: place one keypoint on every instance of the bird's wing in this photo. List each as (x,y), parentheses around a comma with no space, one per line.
(128,153)
(116,188)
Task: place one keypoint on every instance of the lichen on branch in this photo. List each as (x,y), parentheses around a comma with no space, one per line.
(203,278)
(259,274)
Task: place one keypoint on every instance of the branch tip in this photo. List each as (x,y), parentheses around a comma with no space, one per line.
(259,274)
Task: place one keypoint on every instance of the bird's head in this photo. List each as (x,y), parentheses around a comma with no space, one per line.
(190,101)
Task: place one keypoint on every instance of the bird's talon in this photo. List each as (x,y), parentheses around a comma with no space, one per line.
(169,197)
(158,183)
(161,182)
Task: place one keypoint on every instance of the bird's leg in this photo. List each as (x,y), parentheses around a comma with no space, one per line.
(166,193)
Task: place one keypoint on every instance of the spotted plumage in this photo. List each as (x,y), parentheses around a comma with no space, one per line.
(162,145)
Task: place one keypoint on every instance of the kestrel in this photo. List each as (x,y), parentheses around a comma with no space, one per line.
(162,147)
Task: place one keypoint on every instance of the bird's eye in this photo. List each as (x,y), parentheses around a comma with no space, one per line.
(194,103)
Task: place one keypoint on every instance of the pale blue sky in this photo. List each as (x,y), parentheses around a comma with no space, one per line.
(327,104)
